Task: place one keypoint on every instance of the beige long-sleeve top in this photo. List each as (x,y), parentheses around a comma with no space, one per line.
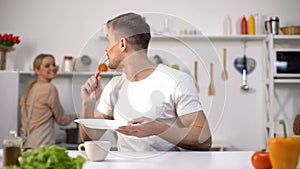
(46,105)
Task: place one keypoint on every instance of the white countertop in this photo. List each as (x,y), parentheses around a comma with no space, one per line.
(170,160)
(173,160)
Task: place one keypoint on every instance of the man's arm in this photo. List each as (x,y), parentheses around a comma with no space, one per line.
(194,135)
(90,93)
(88,134)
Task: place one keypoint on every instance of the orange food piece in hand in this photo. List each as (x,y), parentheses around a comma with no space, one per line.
(102,67)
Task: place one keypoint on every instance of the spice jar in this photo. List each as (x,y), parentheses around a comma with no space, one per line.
(12,145)
(67,65)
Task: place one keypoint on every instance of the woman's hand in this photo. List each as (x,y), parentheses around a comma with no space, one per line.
(143,127)
(92,89)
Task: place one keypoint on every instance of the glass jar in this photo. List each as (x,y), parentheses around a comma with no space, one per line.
(67,65)
(12,147)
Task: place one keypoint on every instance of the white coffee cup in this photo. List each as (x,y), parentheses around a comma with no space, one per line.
(95,150)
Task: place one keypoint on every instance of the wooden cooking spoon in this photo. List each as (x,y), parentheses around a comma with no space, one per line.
(211,88)
(224,73)
(196,76)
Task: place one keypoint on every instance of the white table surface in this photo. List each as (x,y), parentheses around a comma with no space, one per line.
(172,160)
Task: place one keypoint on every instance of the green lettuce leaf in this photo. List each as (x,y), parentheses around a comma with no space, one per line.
(52,157)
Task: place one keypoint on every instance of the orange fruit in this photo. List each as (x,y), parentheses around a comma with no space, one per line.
(102,67)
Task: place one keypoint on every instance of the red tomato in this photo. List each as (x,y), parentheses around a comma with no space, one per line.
(102,67)
(261,160)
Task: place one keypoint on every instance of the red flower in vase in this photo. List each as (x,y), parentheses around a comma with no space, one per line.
(9,40)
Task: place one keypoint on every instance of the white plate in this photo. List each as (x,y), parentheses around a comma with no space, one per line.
(101,123)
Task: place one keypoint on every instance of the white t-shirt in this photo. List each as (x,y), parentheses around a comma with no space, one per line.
(164,95)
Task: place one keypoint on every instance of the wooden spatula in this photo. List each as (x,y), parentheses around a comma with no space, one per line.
(211,88)
(224,73)
(196,76)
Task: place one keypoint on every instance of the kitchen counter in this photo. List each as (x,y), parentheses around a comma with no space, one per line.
(171,160)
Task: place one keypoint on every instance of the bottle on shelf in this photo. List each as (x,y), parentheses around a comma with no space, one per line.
(244,29)
(227,28)
(251,25)
(258,24)
(68,64)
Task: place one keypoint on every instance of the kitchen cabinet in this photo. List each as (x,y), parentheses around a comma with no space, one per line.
(282,96)
(8,102)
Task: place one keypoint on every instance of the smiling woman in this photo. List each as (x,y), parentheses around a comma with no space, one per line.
(41,105)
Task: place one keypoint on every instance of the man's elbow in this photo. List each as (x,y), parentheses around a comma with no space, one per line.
(206,145)
(202,146)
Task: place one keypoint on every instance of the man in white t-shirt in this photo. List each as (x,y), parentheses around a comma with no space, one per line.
(160,104)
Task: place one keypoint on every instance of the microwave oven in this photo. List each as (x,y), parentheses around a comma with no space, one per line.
(287,63)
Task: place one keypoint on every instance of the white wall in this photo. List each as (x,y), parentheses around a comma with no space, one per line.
(65,27)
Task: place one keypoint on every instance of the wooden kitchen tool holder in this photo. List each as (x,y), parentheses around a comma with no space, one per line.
(4,50)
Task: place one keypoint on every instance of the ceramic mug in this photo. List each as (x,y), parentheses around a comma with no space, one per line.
(95,150)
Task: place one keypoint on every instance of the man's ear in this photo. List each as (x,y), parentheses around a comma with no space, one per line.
(123,44)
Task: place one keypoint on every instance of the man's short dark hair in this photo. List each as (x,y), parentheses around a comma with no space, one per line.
(133,27)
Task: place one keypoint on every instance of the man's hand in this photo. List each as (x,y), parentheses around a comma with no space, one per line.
(92,89)
(194,135)
(142,127)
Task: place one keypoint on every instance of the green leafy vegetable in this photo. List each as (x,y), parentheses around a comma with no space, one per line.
(52,157)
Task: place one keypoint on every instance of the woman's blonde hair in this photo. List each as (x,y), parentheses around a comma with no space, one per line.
(36,65)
